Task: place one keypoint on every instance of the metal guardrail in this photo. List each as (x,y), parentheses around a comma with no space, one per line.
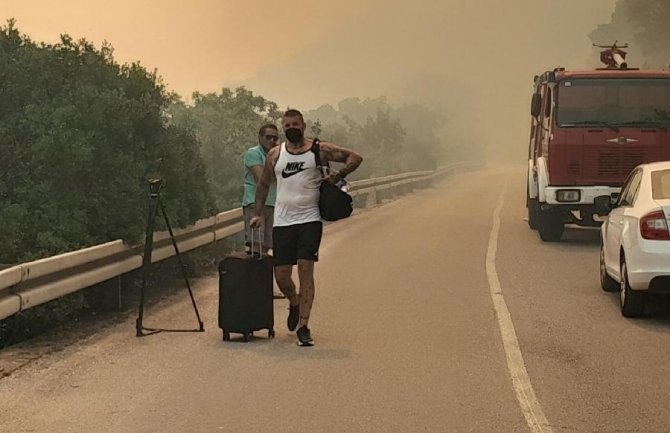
(29,284)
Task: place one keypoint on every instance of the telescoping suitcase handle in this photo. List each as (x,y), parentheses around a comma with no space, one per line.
(260,242)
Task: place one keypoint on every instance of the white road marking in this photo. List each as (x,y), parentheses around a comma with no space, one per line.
(525,394)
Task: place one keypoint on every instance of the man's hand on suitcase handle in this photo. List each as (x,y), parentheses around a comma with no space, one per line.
(256,221)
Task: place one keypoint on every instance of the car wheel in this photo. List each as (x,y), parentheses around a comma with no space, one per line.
(607,283)
(632,302)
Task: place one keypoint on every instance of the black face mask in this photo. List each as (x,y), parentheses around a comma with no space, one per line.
(294,135)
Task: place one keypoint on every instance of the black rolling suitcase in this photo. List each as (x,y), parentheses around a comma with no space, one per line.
(246,294)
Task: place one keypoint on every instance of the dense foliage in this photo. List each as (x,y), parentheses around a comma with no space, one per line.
(79,137)
(226,125)
(643,24)
(392,139)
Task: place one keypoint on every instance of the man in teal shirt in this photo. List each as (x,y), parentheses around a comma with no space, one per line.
(254,163)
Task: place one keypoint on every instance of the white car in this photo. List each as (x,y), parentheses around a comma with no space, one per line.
(635,247)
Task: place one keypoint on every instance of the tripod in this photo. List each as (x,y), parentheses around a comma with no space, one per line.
(155,203)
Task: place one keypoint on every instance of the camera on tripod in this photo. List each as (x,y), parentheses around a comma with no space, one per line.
(156,206)
(155,186)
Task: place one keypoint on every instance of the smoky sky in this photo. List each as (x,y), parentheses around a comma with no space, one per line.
(476,58)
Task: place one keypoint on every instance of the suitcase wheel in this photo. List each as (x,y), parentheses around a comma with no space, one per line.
(271,333)
(226,336)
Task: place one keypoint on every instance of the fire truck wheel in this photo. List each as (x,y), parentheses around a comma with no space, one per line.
(550,225)
(533,210)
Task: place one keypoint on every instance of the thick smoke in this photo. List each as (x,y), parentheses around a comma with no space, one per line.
(476,58)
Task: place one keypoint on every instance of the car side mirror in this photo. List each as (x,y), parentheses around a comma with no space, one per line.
(604,204)
(536,105)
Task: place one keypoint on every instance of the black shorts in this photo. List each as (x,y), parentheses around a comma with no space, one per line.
(298,241)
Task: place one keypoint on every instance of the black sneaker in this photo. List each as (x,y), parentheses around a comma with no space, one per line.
(304,337)
(293,317)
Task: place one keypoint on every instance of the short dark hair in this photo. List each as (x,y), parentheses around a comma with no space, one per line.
(267,126)
(292,112)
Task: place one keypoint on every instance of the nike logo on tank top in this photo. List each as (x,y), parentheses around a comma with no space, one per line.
(298,182)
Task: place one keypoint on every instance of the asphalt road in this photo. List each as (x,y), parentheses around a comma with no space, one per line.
(434,313)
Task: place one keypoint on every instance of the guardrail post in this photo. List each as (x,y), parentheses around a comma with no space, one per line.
(424,184)
(235,242)
(120,299)
(104,296)
(371,199)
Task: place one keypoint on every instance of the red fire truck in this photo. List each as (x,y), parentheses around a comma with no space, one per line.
(589,129)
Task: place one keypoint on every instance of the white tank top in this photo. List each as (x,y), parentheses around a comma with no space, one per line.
(298,181)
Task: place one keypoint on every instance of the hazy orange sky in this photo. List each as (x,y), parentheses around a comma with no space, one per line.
(196,45)
(474,57)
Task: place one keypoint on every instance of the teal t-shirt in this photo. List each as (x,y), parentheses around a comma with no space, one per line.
(255,156)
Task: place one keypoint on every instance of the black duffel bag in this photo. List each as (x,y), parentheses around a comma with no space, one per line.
(334,204)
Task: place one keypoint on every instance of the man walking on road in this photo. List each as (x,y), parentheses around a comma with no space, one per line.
(254,162)
(297,220)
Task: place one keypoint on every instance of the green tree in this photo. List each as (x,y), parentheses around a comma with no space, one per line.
(316,128)
(226,125)
(644,23)
(391,138)
(79,136)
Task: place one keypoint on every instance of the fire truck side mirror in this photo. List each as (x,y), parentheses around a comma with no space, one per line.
(604,204)
(536,105)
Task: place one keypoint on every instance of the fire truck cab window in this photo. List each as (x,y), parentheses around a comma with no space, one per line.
(547,101)
(616,101)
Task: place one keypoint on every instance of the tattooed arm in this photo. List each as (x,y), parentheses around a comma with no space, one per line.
(333,153)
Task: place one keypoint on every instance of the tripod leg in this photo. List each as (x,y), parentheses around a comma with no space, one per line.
(146,260)
(181,263)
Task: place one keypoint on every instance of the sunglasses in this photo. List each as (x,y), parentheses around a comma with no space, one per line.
(271,137)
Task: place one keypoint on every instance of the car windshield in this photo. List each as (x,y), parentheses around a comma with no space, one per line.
(614,102)
(660,184)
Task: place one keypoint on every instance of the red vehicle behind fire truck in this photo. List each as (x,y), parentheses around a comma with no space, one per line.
(589,130)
